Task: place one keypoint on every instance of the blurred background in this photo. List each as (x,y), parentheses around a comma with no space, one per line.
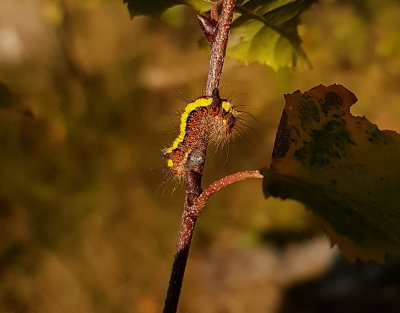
(88,218)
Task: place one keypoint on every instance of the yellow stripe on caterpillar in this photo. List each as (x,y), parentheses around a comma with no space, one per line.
(200,102)
(227,106)
(203,120)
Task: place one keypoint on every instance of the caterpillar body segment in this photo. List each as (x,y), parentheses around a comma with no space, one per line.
(205,119)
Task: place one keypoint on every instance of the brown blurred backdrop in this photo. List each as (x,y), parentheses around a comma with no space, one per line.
(88,98)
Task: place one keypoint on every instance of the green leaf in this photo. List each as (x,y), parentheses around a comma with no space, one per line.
(343,168)
(201,6)
(152,8)
(157,7)
(266,32)
(263,31)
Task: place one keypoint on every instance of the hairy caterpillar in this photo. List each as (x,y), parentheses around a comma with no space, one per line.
(204,120)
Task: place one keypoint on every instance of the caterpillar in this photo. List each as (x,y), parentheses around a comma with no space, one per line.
(204,120)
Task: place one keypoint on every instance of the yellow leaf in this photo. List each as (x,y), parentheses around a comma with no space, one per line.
(343,168)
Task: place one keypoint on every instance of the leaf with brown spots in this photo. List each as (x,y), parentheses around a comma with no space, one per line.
(342,167)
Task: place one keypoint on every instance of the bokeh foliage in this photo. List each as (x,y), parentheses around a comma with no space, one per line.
(88,99)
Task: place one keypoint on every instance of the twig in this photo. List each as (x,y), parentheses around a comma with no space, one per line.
(219,184)
(214,10)
(195,165)
(219,48)
(189,218)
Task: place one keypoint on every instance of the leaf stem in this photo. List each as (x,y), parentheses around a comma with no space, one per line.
(219,184)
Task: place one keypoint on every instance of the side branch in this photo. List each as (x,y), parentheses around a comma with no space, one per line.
(189,219)
(219,184)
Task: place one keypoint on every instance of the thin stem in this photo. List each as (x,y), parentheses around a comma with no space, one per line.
(193,190)
(178,268)
(219,48)
(189,219)
(214,10)
(219,184)
(195,164)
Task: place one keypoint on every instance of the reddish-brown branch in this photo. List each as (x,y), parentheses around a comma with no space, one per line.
(214,10)
(219,48)
(195,164)
(219,184)
(192,212)
(189,219)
